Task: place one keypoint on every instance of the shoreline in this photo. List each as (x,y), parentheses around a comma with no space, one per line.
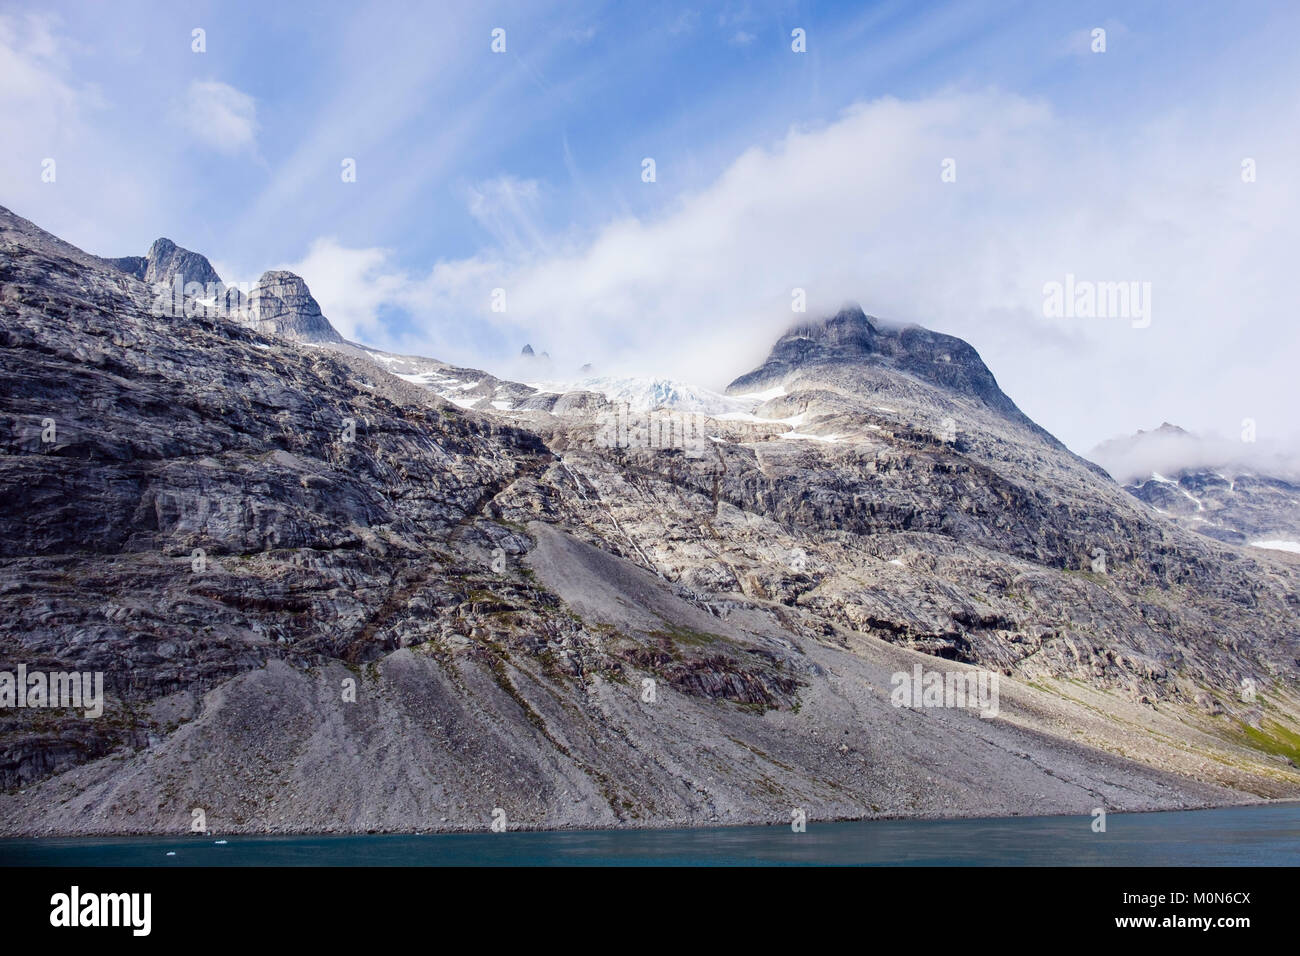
(919,818)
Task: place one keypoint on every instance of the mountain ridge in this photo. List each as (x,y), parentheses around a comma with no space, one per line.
(1222,489)
(500,582)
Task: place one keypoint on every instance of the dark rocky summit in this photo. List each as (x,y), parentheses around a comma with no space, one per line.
(325,598)
(854,340)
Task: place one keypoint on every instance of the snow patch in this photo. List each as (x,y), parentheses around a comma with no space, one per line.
(764,396)
(830,439)
(1278,544)
(647,394)
(794,421)
(1187,494)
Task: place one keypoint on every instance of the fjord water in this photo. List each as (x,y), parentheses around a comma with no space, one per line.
(1261,835)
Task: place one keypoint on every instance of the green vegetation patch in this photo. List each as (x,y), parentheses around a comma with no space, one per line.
(1272,738)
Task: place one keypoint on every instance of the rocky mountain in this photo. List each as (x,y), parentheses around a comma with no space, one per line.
(164,262)
(853,341)
(325,597)
(1211,487)
(281,305)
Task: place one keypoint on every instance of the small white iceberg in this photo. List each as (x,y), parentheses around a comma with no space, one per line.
(219,842)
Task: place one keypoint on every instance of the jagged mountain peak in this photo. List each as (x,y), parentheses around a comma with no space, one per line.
(281,277)
(161,246)
(282,305)
(1167,429)
(1218,487)
(165,262)
(849,328)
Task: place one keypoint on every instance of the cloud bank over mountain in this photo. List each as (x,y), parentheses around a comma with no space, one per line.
(855,210)
(1169,451)
(778,172)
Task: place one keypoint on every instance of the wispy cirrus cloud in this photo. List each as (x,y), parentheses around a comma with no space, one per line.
(508,208)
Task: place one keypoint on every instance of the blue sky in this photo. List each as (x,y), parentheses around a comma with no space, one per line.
(775,170)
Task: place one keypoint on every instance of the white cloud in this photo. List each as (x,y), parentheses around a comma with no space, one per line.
(1170,452)
(353,286)
(38,101)
(47,112)
(716,269)
(219,116)
(855,209)
(741,38)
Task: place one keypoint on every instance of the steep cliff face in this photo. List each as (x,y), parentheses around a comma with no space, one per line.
(281,305)
(324,598)
(180,436)
(165,262)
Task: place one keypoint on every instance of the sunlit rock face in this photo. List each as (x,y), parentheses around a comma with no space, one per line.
(166,262)
(281,305)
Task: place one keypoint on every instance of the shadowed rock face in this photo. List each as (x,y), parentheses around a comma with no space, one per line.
(239,532)
(166,261)
(134,266)
(281,305)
